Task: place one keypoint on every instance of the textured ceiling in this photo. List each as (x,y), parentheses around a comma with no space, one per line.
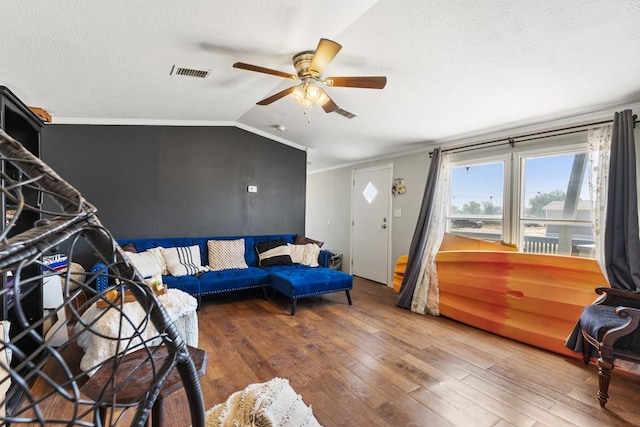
(455,68)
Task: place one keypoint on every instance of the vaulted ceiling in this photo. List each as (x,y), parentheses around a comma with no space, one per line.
(455,68)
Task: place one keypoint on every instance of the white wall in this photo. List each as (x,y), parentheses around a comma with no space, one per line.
(328,212)
(328,197)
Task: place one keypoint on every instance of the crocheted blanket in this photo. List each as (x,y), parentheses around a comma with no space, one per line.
(270,404)
(111,334)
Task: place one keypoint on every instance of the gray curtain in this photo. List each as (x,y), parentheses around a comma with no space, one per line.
(621,241)
(418,242)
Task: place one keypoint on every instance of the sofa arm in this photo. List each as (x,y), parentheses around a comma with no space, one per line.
(324,258)
(330,260)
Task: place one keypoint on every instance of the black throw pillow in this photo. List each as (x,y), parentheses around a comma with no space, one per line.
(274,252)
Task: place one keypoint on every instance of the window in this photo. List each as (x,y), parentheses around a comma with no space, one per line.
(536,198)
(555,214)
(476,203)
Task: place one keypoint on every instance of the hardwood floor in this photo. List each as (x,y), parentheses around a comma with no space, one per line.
(373,364)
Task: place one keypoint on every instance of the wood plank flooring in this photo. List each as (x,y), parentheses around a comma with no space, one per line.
(373,364)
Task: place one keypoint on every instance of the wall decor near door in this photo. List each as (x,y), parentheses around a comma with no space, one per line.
(398,187)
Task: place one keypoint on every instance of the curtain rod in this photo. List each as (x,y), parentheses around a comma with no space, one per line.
(511,140)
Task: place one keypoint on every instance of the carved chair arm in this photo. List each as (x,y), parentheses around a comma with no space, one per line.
(633,321)
(611,293)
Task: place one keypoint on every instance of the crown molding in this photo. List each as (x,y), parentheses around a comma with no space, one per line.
(270,136)
(515,129)
(603,114)
(137,122)
(150,122)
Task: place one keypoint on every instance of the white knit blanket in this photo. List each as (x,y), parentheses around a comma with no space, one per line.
(112,333)
(270,404)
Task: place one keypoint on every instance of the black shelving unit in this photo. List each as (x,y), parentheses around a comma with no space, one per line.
(24,126)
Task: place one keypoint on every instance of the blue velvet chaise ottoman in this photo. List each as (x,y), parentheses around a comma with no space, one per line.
(301,281)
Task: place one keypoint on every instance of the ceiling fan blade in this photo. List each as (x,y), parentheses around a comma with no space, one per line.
(366,82)
(277,96)
(325,52)
(258,69)
(329,105)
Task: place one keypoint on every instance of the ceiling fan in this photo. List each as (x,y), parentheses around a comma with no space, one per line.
(309,66)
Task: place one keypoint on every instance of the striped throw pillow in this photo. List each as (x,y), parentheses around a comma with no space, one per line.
(183,261)
(274,252)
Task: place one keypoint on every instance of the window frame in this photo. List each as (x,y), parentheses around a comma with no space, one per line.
(513,158)
(461,161)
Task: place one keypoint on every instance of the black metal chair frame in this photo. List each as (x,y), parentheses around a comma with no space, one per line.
(69,223)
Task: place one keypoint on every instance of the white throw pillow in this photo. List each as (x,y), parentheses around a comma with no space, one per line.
(148,262)
(183,260)
(311,253)
(157,252)
(305,254)
(273,252)
(297,253)
(226,254)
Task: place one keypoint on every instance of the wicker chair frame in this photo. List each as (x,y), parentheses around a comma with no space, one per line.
(48,381)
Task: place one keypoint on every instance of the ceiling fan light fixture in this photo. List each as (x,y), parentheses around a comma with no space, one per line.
(299,96)
(323,99)
(307,93)
(312,91)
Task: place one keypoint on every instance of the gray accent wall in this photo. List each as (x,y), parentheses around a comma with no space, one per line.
(172,181)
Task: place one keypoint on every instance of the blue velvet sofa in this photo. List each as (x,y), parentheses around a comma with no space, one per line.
(294,281)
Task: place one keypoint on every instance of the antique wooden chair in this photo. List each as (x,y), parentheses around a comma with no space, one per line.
(611,326)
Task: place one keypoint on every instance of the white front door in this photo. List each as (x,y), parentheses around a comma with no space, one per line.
(371,223)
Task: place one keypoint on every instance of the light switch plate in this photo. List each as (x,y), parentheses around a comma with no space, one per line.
(252,188)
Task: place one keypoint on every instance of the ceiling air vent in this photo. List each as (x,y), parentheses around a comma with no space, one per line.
(345,113)
(189,72)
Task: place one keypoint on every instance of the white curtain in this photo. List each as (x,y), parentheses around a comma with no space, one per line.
(599,143)
(426,297)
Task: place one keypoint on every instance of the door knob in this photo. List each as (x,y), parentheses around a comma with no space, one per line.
(384,226)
